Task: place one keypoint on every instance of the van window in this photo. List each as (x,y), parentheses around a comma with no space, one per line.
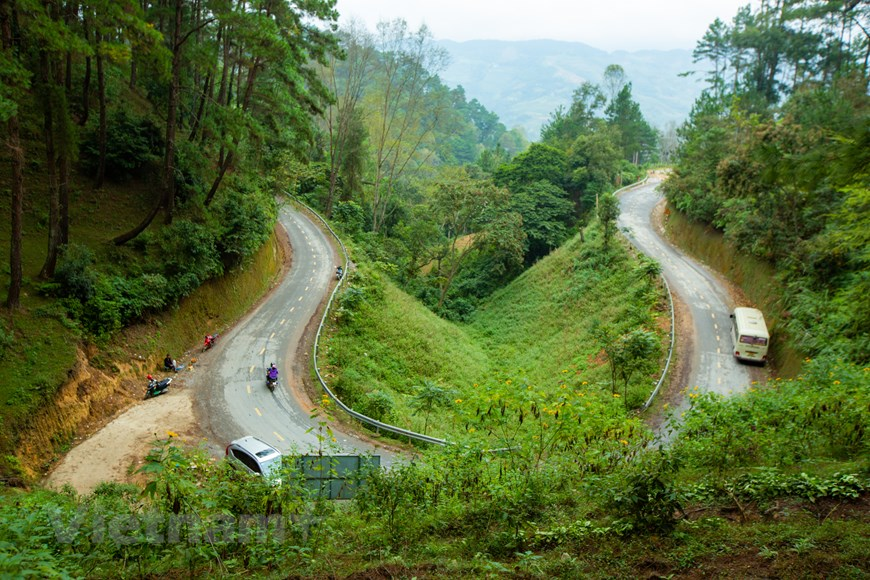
(753,340)
(249,461)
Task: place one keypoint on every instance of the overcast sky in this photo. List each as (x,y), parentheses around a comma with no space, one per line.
(607,25)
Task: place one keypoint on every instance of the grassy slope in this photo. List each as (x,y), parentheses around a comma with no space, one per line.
(538,328)
(541,325)
(394,343)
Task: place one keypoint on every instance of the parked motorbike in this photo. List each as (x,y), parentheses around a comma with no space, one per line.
(339,272)
(209,341)
(156,387)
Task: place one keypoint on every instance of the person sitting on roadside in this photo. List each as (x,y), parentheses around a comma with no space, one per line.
(169,363)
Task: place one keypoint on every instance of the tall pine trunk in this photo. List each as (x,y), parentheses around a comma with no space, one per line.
(16,157)
(16,154)
(49,104)
(168,184)
(101,90)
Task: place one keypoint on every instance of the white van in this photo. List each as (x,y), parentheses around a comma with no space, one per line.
(255,456)
(749,335)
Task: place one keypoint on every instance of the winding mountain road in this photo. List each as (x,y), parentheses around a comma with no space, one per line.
(712,367)
(225,395)
(235,400)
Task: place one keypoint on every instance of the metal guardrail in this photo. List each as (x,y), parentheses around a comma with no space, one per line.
(661,380)
(356,415)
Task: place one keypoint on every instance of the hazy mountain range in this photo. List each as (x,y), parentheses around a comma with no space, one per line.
(524,81)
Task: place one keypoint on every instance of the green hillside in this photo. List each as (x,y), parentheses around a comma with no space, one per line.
(543,330)
(544,323)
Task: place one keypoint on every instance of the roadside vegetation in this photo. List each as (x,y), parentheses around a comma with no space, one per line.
(782,491)
(492,301)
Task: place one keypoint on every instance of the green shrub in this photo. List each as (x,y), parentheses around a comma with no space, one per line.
(352,217)
(244,222)
(74,274)
(377,404)
(132,144)
(644,495)
(188,255)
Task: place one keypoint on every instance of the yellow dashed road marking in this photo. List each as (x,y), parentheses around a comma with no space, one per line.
(258,411)
(275,433)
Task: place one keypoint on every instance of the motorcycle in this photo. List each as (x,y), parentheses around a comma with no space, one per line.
(271,378)
(339,273)
(156,387)
(209,341)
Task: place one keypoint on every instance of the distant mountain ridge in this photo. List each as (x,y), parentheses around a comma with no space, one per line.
(523,82)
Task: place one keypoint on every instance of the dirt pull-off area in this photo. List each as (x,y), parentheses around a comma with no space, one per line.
(115,451)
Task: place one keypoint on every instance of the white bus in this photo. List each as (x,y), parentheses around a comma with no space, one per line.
(749,335)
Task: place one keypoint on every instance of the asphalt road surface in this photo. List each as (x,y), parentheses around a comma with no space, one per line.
(713,368)
(236,401)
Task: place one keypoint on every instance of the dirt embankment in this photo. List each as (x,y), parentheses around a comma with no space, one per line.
(112,450)
(97,414)
(83,404)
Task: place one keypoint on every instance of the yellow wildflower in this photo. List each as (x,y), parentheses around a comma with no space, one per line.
(458,401)
(172,434)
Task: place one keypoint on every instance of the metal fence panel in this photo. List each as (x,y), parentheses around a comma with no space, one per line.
(336,476)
